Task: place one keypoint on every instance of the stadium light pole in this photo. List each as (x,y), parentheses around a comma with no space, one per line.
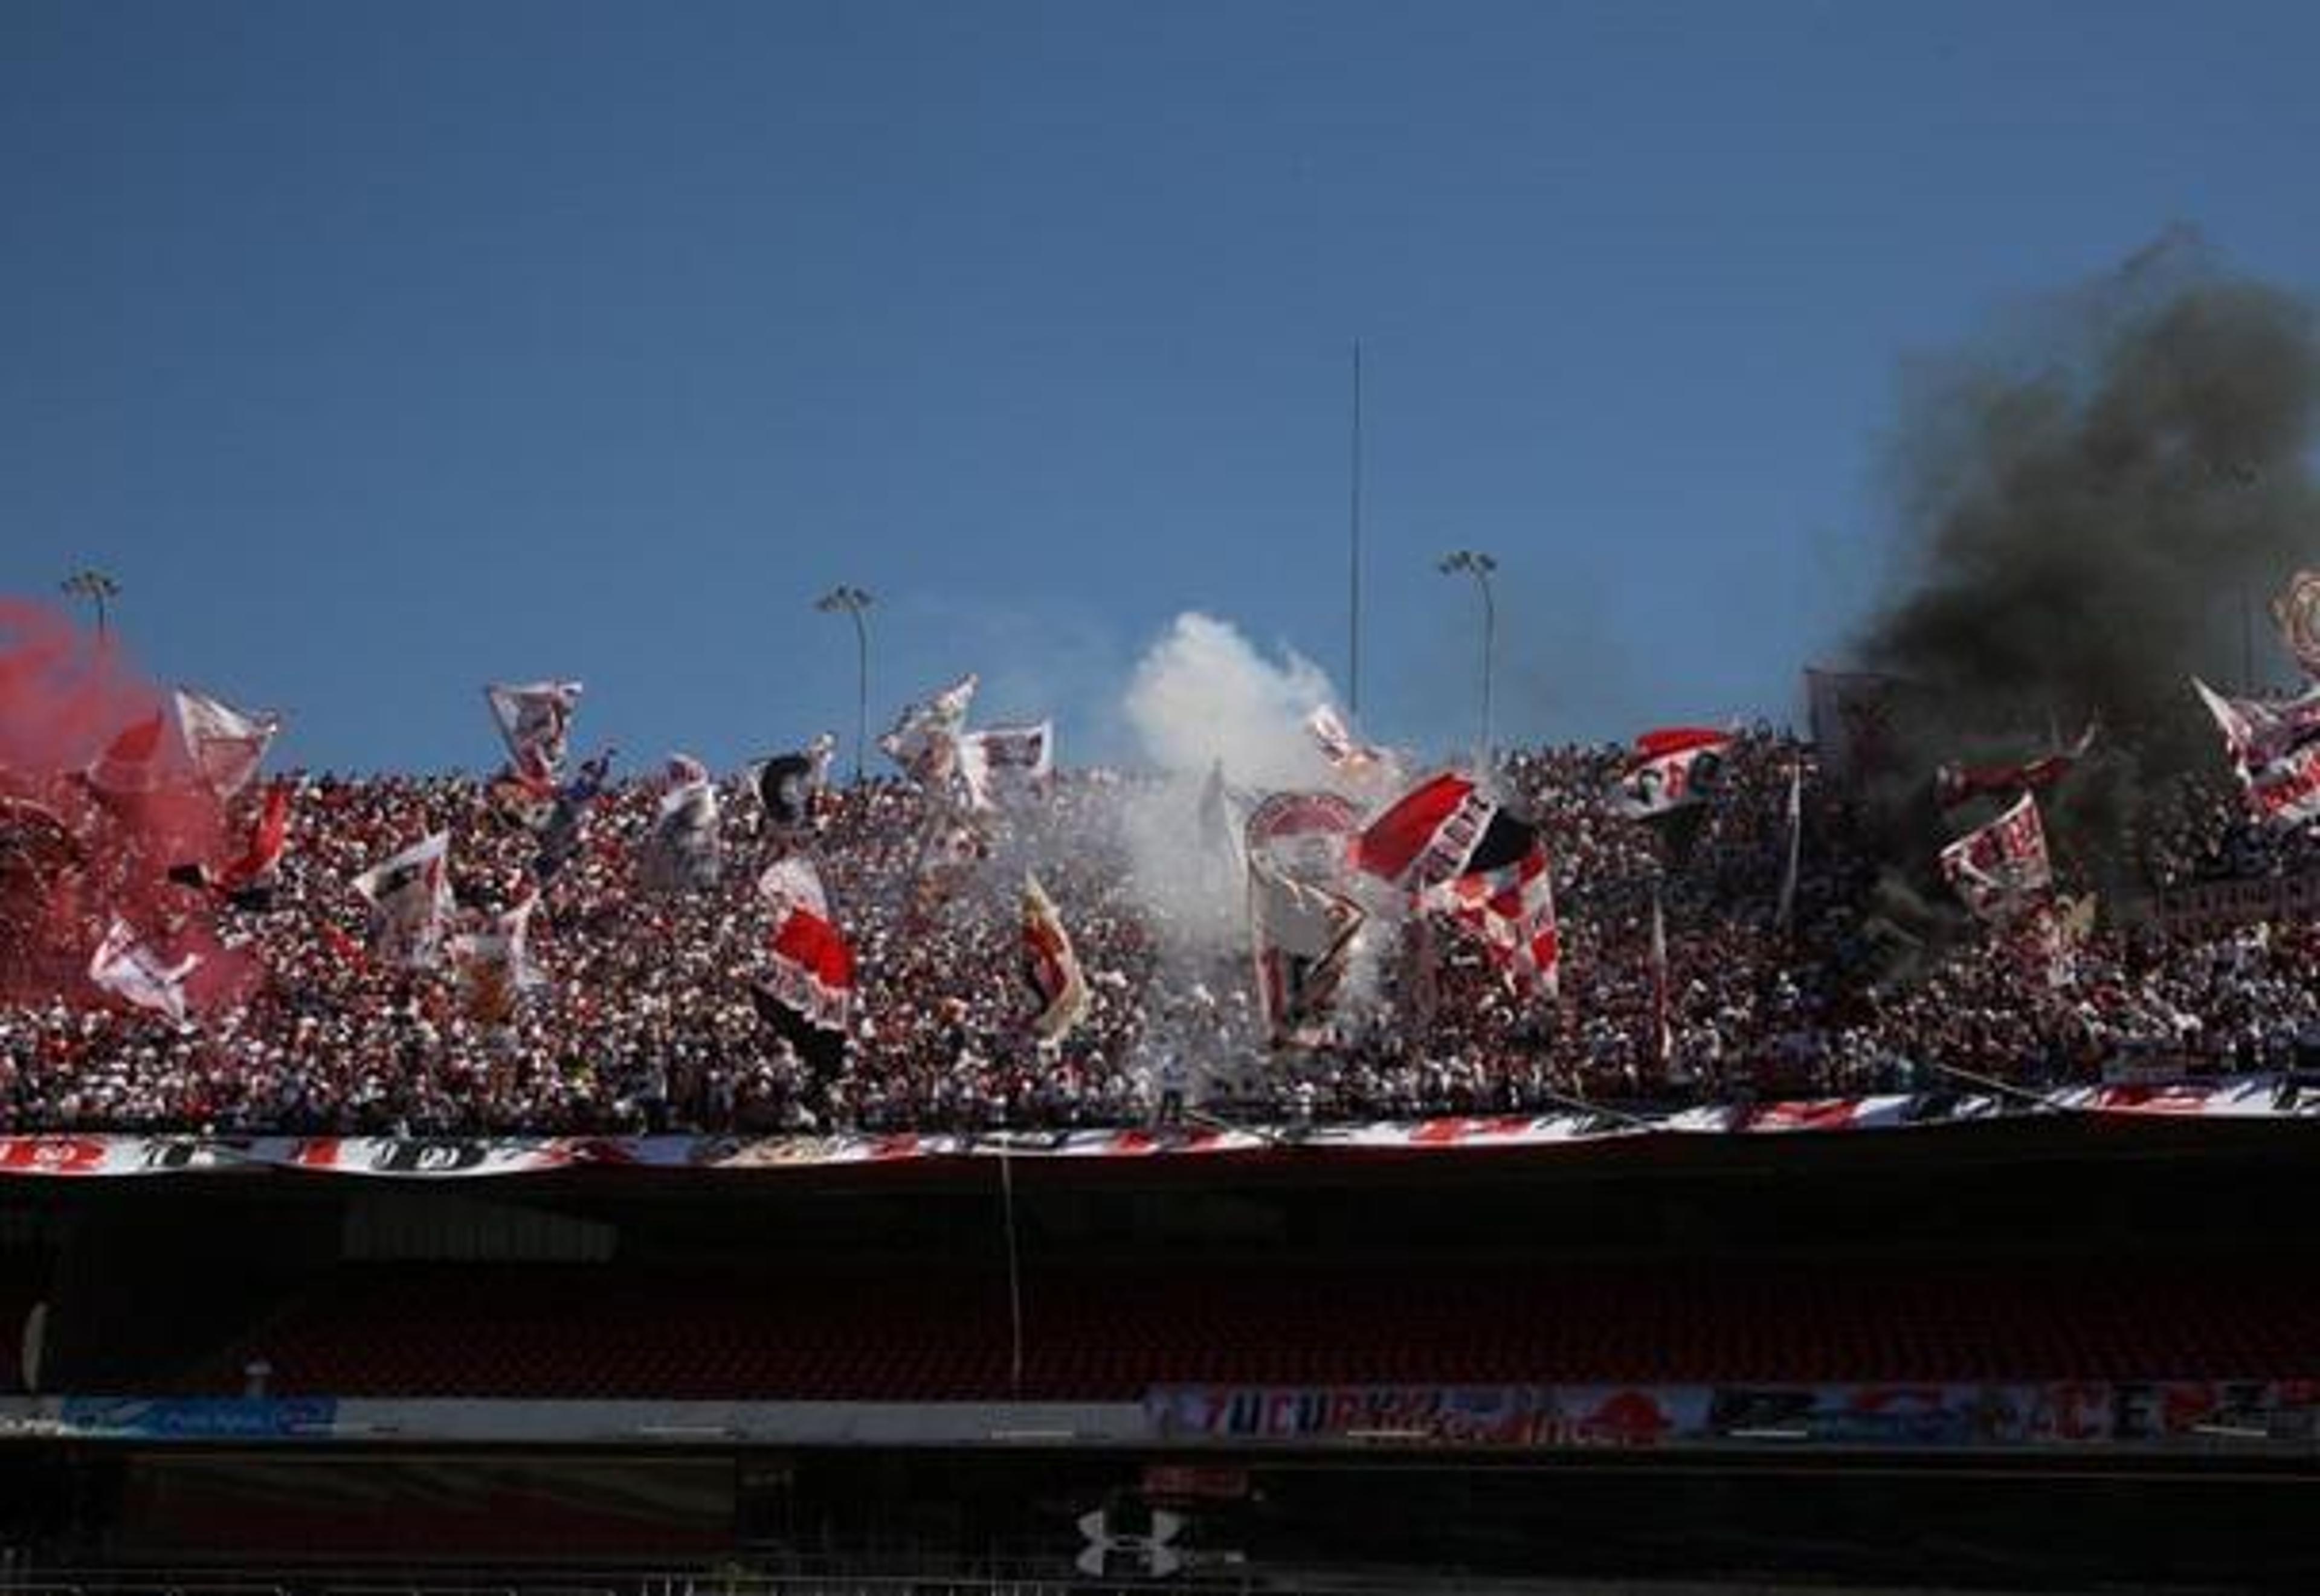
(854,601)
(1479,565)
(97,588)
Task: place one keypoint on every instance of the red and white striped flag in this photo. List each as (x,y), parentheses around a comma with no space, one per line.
(1461,854)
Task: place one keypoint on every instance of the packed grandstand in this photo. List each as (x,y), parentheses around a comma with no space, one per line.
(987,941)
(991,1013)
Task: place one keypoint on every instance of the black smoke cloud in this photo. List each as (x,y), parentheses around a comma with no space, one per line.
(2081,535)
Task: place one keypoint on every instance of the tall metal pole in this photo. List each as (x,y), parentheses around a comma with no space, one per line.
(855,601)
(1354,585)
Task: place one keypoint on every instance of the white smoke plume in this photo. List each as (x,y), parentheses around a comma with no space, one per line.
(1202,693)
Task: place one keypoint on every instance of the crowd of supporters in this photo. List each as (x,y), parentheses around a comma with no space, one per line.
(644,1017)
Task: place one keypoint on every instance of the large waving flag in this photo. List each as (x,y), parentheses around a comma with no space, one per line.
(2002,868)
(409,898)
(1504,895)
(807,994)
(1050,966)
(535,721)
(1673,768)
(2275,745)
(1425,837)
(226,745)
(127,968)
(1461,854)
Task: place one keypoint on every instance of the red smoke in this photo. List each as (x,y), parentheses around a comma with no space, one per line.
(95,810)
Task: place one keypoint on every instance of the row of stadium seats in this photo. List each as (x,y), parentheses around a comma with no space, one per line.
(1097,1334)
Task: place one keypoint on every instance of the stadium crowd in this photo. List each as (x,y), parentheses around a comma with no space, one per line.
(644,1017)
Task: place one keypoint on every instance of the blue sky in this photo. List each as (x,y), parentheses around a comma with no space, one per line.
(380,351)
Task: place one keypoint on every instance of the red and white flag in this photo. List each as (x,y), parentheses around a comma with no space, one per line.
(535,721)
(1461,854)
(226,745)
(811,965)
(1673,768)
(1425,837)
(1050,966)
(2002,868)
(409,898)
(125,966)
(2275,747)
(1302,935)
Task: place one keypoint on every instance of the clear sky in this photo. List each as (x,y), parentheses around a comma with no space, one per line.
(379,350)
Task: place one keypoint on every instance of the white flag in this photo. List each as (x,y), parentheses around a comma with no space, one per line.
(126,967)
(225,744)
(684,852)
(535,721)
(409,898)
(924,739)
(1000,759)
